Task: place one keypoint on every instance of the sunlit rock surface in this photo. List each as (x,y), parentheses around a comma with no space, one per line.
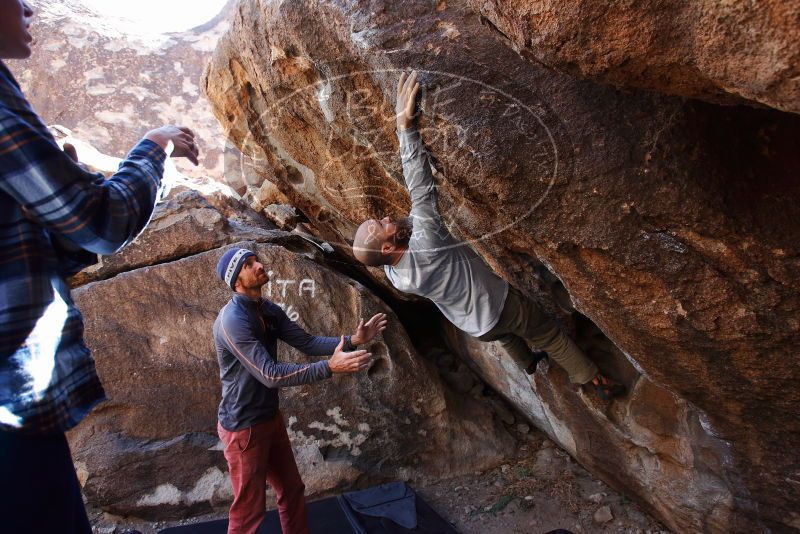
(185,224)
(670,224)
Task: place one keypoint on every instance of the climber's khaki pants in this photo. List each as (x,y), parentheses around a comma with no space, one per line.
(523,319)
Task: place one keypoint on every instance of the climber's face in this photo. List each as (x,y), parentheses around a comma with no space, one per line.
(377,239)
(395,232)
(387,227)
(15,38)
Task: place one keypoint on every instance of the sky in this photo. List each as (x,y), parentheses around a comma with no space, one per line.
(159,16)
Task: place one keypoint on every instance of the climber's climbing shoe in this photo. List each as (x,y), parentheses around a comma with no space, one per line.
(537,356)
(605,388)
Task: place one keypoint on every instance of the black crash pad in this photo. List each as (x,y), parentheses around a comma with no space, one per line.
(368,511)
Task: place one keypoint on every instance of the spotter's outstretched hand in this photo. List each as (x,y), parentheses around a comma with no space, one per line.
(366,332)
(348,362)
(177,141)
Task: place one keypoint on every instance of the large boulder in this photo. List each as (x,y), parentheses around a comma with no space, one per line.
(726,52)
(669,223)
(152,450)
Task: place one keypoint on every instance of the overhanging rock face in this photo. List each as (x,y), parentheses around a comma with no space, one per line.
(725,52)
(670,223)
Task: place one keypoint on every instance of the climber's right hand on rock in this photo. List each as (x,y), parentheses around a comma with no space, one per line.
(177,141)
(407,89)
(348,362)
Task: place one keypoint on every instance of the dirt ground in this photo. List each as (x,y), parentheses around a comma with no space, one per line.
(538,490)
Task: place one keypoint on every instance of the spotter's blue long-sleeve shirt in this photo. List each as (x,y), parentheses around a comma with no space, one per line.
(246,335)
(54,218)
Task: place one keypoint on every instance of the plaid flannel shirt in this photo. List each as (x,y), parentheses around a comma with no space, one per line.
(54,218)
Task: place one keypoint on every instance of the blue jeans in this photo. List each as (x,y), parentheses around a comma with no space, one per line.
(39,491)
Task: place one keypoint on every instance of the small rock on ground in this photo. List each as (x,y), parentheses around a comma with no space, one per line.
(603,515)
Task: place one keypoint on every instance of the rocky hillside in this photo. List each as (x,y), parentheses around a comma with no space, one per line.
(661,230)
(110,87)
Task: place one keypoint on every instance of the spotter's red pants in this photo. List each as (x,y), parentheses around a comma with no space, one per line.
(256,456)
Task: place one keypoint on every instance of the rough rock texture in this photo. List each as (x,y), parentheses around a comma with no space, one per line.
(282,215)
(652,442)
(152,449)
(727,52)
(185,224)
(110,87)
(657,214)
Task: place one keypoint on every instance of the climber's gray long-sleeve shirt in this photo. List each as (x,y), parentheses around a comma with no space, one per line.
(246,335)
(436,265)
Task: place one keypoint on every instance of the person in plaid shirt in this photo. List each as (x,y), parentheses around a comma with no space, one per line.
(54,218)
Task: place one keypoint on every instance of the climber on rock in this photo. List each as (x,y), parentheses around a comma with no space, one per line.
(251,426)
(420,256)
